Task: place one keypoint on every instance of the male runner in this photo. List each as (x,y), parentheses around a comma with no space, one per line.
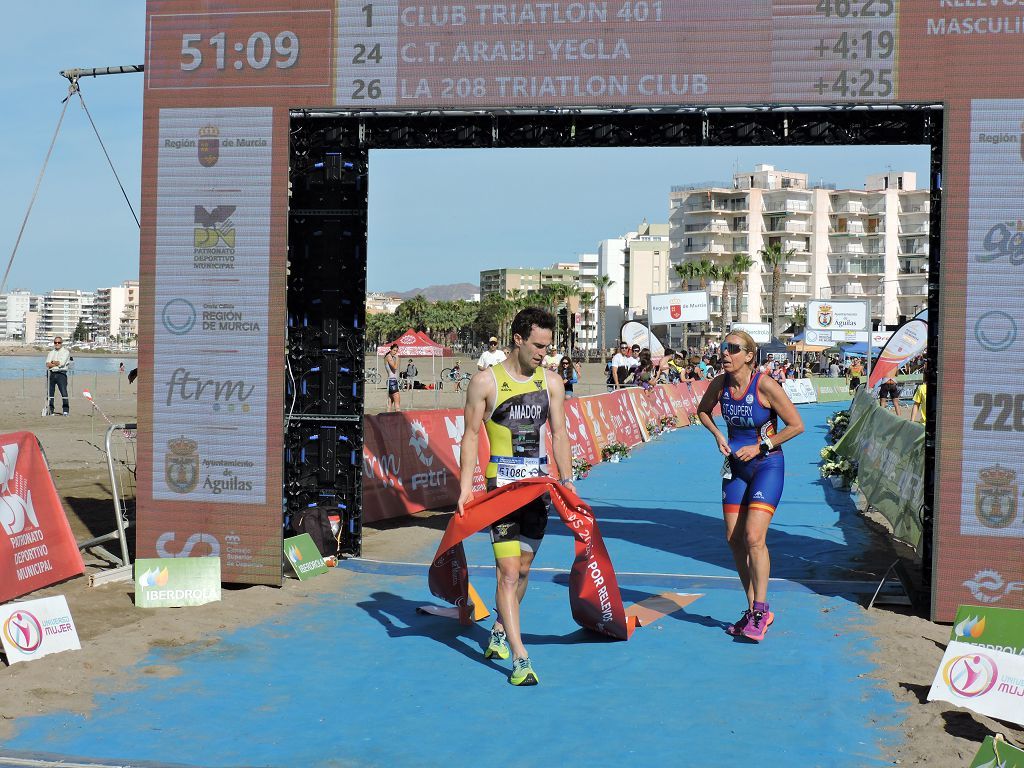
(518,402)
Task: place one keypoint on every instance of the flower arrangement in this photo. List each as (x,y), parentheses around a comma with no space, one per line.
(580,468)
(614,452)
(834,465)
(653,428)
(669,422)
(694,421)
(837,423)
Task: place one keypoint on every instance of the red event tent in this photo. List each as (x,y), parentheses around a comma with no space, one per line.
(417,344)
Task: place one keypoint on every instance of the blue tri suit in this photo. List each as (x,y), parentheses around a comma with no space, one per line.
(756,485)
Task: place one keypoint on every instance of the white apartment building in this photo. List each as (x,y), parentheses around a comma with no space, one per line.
(14,306)
(60,311)
(868,244)
(115,311)
(639,264)
(586,327)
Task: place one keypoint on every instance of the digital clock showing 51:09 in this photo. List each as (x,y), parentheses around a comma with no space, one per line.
(221,50)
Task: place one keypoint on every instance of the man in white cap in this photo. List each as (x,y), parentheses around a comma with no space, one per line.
(491,356)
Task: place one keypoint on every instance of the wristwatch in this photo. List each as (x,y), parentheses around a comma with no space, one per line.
(765,446)
(565,480)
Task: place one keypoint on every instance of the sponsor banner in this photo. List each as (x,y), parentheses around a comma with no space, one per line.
(639,334)
(626,428)
(594,596)
(304,557)
(37,547)
(800,391)
(411,462)
(909,341)
(642,410)
(176,582)
(35,628)
(837,315)
(828,390)
(997,754)
(211,305)
(890,455)
(985,681)
(761,333)
(998,629)
(672,308)
(658,398)
(682,404)
(582,441)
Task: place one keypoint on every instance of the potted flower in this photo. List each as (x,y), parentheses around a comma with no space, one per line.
(837,423)
(580,468)
(653,428)
(669,423)
(614,452)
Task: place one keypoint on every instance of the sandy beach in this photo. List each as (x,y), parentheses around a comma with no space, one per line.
(115,634)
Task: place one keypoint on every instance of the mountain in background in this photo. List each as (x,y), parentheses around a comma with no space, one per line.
(440,292)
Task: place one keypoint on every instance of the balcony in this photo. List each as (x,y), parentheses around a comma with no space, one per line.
(912,231)
(856,266)
(710,227)
(796,268)
(796,288)
(704,248)
(923,208)
(915,248)
(916,291)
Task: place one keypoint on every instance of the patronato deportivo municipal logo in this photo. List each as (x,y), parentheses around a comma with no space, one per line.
(209,145)
(825,315)
(970,675)
(155,577)
(16,509)
(971,628)
(995,496)
(420,441)
(214,229)
(23,631)
(181,465)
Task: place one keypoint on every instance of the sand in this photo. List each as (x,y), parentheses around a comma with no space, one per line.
(115,635)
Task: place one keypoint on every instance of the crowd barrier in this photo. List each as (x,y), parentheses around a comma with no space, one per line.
(889,451)
(411,458)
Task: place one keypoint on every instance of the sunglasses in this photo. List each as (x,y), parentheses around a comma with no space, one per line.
(732,349)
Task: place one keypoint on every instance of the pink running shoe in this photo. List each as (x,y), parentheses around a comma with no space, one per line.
(758,622)
(737,629)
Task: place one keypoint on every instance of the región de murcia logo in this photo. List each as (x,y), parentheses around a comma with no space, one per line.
(16,508)
(209,145)
(181,465)
(995,496)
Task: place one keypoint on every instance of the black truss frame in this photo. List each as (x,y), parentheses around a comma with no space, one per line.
(331,147)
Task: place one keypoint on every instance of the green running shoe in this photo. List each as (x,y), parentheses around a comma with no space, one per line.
(522,673)
(497,646)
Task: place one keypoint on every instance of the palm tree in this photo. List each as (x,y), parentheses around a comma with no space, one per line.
(572,296)
(774,257)
(587,301)
(602,283)
(741,264)
(726,273)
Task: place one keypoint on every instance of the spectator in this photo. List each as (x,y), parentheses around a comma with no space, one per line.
(552,359)
(57,360)
(833,369)
(920,397)
(491,356)
(890,390)
(621,366)
(570,374)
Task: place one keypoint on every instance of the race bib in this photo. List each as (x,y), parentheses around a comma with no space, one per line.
(513,468)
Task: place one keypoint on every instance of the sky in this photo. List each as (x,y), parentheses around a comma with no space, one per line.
(436,216)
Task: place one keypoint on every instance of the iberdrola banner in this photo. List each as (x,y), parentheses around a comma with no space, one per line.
(909,341)
(594,596)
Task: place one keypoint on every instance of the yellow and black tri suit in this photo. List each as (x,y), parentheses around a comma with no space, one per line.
(517,430)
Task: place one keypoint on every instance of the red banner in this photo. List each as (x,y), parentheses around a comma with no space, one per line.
(594,596)
(582,441)
(37,548)
(411,462)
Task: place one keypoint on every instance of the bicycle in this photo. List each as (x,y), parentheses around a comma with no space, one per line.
(455,376)
(372,376)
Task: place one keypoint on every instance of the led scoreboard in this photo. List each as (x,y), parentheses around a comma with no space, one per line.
(222,76)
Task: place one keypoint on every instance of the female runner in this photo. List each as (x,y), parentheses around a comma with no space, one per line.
(752,475)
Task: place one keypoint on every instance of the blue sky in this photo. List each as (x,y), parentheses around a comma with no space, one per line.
(435,216)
